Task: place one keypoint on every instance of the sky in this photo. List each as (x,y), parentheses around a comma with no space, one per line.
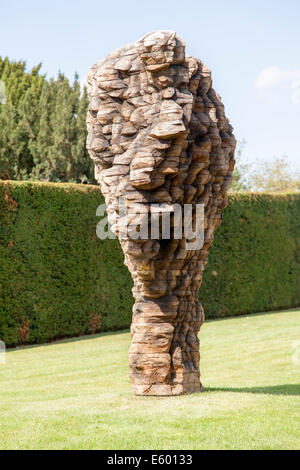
(251,46)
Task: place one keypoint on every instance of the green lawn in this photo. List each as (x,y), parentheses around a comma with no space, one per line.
(76,394)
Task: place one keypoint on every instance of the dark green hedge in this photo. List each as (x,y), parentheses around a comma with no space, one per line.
(254,263)
(58,279)
(56,276)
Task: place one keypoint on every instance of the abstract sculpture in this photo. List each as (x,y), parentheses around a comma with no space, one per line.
(157,133)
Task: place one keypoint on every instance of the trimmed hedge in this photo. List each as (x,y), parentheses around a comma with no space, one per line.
(254,262)
(56,276)
(57,279)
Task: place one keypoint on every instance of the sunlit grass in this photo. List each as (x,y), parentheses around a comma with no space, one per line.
(76,394)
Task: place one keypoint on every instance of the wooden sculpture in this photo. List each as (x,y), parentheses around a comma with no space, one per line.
(157,133)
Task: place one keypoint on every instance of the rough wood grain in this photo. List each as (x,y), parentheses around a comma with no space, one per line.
(157,133)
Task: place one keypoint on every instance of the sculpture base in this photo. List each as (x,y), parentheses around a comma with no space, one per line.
(160,390)
(164,354)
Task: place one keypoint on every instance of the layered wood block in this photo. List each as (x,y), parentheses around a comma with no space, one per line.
(157,133)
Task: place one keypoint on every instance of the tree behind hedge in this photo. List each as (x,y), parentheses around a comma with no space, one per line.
(42,126)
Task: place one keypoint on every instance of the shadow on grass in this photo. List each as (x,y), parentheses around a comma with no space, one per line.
(284,389)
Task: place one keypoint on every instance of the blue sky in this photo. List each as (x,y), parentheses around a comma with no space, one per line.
(251,46)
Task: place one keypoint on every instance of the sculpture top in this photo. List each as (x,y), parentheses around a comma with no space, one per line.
(144,93)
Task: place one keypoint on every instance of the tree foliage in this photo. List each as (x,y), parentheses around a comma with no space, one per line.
(43,134)
(42,126)
(272,176)
(275,176)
